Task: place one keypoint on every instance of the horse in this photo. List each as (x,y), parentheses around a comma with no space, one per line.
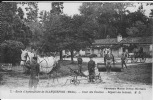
(138,53)
(46,63)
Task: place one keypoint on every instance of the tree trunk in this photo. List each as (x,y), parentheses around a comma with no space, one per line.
(72,56)
(61,57)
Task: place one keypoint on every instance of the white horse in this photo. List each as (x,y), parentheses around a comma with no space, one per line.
(46,63)
(24,56)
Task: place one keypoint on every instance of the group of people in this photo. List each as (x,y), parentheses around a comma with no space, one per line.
(108,60)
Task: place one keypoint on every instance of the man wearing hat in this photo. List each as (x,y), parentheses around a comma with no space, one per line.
(91,69)
(80,63)
(34,73)
(123,58)
(109,59)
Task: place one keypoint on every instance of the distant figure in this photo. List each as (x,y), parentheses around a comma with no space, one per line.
(109,59)
(123,58)
(80,63)
(91,69)
(136,51)
(141,52)
(34,73)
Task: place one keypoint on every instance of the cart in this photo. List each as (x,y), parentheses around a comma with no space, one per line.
(75,74)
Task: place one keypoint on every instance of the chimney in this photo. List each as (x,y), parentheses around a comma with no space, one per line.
(119,38)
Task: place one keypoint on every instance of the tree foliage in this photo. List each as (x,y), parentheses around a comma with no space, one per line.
(110,17)
(114,18)
(55,31)
(13,23)
(14,27)
(57,8)
(11,51)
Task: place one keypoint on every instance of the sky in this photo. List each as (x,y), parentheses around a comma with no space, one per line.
(71,8)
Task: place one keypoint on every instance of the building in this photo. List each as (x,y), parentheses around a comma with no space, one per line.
(119,44)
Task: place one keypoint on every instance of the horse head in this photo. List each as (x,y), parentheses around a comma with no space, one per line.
(24,56)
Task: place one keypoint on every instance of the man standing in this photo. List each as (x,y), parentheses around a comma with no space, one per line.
(27,66)
(123,58)
(80,63)
(91,69)
(34,73)
(109,58)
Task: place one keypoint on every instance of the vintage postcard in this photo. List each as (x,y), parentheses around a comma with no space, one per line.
(76,50)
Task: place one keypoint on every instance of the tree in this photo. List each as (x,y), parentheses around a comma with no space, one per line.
(110,17)
(32,9)
(53,40)
(138,23)
(11,51)
(115,18)
(57,8)
(14,24)
(65,33)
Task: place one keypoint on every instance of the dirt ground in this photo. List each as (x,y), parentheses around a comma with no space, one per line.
(139,75)
(136,76)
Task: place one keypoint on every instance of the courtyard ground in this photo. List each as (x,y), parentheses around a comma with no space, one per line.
(137,75)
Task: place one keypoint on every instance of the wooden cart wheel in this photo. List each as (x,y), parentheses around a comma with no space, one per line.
(72,81)
(76,82)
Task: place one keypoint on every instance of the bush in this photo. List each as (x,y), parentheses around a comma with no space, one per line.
(11,51)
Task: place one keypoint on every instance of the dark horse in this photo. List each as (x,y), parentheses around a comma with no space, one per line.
(139,54)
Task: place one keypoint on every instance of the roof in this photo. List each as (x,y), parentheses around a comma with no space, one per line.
(111,41)
(106,41)
(141,40)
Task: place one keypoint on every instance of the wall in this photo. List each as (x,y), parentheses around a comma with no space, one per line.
(97,52)
(81,52)
(115,53)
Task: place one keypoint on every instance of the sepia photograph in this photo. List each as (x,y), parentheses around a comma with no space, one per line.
(76,50)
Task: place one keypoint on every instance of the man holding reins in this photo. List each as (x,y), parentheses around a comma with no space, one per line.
(34,73)
(91,69)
